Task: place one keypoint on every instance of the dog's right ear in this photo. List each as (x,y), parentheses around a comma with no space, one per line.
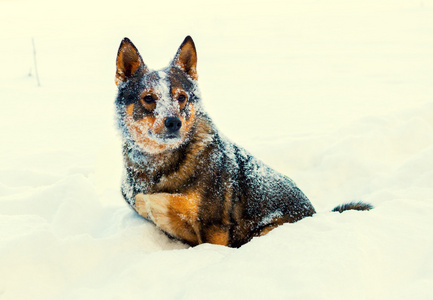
(129,62)
(186,58)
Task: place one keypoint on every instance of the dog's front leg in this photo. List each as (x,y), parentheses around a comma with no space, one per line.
(176,214)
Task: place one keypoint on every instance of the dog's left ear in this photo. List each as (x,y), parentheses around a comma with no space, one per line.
(128,62)
(186,58)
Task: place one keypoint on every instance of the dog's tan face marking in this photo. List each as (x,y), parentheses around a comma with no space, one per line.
(180,96)
(139,131)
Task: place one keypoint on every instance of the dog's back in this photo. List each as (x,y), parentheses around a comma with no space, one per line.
(258,197)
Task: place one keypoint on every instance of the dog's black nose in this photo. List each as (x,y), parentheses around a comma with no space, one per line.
(173,124)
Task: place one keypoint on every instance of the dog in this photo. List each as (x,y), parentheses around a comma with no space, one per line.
(180,173)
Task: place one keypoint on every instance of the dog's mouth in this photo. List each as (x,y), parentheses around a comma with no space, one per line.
(168,139)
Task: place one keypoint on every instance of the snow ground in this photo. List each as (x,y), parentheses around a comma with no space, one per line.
(335,94)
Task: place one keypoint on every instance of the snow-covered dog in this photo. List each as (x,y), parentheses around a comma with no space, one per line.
(180,173)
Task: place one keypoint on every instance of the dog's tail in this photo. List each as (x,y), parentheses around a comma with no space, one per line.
(354,206)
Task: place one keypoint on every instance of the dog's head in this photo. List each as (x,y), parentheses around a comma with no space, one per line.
(157,109)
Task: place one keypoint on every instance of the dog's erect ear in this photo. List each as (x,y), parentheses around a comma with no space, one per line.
(186,58)
(129,61)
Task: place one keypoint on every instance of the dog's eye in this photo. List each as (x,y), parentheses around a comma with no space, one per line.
(149,99)
(181,98)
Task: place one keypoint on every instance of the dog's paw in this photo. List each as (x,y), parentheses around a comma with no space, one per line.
(154,207)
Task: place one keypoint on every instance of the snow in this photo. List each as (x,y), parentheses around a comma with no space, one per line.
(334,94)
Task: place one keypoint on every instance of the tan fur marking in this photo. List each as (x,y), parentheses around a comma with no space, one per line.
(275,223)
(139,131)
(267,229)
(176,92)
(158,126)
(130,110)
(218,237)
(191,120)
(174,213)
